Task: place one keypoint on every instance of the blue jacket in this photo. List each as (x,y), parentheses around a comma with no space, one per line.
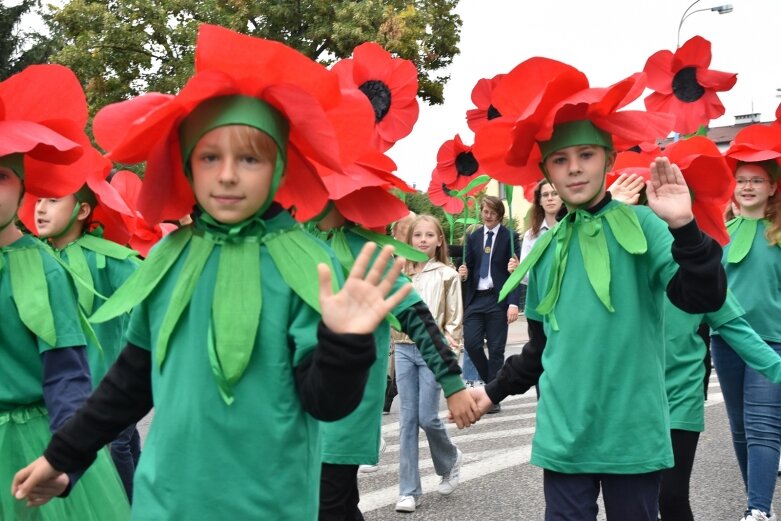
(501,256)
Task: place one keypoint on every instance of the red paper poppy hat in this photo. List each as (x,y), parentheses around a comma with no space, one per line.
(754,144)
(456,164)
(482,97)
(324,125)
(42,110)
(558,119)
(709,179)
(514,93)
(685,87)
(390,84)
(634,161)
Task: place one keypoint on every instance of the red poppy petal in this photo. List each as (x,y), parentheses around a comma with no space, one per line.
(37,141)
(438,197)
(716,80)
(372,207)
(710,219)
(694,53)
(43,92)
(659,71)
(635,127)
(302,188)
(166,195)
(112,122)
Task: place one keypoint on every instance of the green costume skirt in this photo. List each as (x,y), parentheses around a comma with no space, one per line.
(98,495)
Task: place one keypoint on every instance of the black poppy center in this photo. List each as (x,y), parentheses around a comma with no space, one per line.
(445,189)
(466,164)
(685,86)
(493,113)
(380,96)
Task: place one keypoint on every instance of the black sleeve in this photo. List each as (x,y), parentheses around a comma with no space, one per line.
(419,324)
(330,381)
(66,383)
(123,397)
(700,284)
(520,372)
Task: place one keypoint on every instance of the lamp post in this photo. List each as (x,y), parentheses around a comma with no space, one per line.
(721,9)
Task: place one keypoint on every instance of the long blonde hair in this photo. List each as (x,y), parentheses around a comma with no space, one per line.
(441,252)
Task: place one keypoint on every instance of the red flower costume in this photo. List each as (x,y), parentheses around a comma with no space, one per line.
(390,84)
(325,125)
(456,168)
(754,144)
(685,87)
(482,97)
(43,112)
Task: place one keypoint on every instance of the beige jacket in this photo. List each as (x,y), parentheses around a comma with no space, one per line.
(440,288)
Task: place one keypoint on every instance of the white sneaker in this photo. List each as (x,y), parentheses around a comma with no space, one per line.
(368,469)
(758,515)
(407,503)
(450,480)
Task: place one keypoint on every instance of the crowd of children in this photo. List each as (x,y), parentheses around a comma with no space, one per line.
(263,344)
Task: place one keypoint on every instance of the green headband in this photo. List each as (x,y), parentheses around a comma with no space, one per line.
(575,133)
(770,166)
(231,110)
(14,162)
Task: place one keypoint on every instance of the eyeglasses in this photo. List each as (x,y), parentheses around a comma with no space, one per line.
(754,181)
(546,195)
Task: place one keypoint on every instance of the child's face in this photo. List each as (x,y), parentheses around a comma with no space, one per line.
(426,238)
(10,194)
(549,199)
(489,216)
(53,215)
(578,173)
(753,187)
(231,180)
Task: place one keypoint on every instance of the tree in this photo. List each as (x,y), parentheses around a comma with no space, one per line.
(121,48)
(19,48)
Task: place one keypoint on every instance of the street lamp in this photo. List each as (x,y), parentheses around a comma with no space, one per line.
(721,9)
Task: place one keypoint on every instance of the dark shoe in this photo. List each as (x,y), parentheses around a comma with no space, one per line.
(495,409)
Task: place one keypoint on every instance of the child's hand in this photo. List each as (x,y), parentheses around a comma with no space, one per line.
(462,409)
(361,304)
(668,194)
(512,264)
(627,188)
(463,272)
(39,482)
(484,403)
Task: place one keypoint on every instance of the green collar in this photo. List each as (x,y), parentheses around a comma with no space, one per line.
(742,231)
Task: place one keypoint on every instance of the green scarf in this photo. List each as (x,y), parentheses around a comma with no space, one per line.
(30,289)
(589,229)
(234,323)
(742,231)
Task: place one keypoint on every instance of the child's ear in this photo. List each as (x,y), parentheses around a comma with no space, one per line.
(84,212)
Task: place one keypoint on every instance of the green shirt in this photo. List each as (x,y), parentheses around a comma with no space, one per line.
(603,407)
(756,282)
(355,439)
(107,273)
(258,458)
(20,348)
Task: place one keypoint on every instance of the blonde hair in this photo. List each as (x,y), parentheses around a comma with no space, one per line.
(256,140)
(773,215)
(441,252)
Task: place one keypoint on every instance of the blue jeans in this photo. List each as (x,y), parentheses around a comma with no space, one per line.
(754,412)
(419,394)
(125,451)
(469,372)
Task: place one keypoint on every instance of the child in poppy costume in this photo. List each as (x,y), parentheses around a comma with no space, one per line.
(361,201)
(226,310)
(46,377)
(99,267)
(711,184)
(602,418)
(752,260)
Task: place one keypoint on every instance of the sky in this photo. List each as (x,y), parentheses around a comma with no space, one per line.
(606,39)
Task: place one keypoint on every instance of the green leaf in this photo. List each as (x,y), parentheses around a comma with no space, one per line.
(476,182)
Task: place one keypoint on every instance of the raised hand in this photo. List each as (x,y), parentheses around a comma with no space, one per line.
(668,194)
(39,482)
(363,302)
(627,188)
(462,409)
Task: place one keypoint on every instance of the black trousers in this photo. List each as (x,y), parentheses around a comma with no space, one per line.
(674,493)
(339,493)
(573,497)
